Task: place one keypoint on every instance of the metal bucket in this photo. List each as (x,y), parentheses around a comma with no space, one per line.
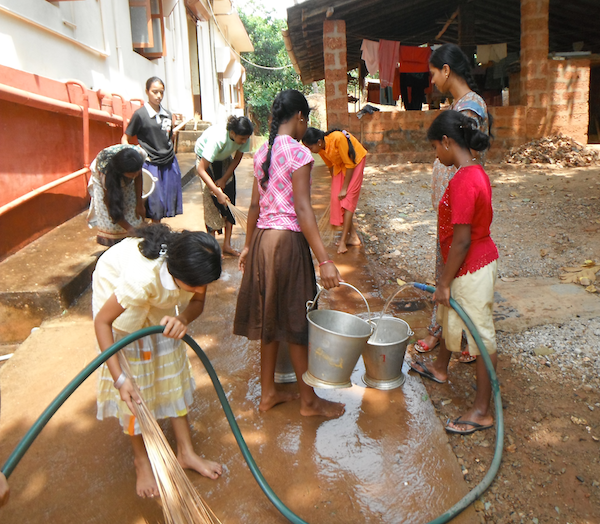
(384,354)
(284,370)
(335,343)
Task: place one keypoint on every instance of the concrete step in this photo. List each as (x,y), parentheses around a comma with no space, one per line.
(45,277)
(186,139)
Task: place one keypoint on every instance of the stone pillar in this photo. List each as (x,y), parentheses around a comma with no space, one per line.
(534,64)
(336,71)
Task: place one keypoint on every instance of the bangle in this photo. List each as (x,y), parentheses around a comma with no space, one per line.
(120,381)
(325,262)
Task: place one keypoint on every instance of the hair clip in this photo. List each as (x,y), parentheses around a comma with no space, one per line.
(163,249)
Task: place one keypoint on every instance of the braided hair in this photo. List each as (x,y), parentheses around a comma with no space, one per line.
(194,257)
(285,106)
(313,135)
(127,160)
(460,128)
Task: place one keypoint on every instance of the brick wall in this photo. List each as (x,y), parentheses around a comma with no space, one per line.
(336,79)
(568,97)
(401,136)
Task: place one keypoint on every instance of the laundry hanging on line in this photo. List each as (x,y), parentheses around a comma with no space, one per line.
(370,55)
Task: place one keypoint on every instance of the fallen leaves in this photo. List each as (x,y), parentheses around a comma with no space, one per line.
(585,275)
(559,150)
(579,421)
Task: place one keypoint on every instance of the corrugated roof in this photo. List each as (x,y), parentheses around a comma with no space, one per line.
(415,22)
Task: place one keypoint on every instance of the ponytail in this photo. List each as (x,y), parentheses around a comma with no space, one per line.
(285,106)
(240,125)
(460,128)
(313,135)
(194,257)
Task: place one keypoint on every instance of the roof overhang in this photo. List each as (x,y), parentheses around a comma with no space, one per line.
(416,22)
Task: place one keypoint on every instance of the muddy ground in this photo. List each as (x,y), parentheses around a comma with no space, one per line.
(545,219)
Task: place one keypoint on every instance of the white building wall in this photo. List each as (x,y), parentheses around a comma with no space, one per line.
(90,40)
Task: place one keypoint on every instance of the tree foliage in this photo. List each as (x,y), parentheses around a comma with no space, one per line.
(262,85)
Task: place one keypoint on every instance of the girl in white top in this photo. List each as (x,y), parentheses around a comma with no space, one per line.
(138,283)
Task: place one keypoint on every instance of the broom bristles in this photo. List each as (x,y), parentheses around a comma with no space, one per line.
(181,503)
(326,230)
(241,218)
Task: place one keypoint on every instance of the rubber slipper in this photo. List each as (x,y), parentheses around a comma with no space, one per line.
(475,427)
(466,358)
(426,373)
(422,347)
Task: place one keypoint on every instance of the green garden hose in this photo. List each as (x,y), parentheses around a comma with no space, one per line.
(478,490)
(37,427)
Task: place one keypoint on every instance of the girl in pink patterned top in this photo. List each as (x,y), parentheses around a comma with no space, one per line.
(279,275)
(470,260)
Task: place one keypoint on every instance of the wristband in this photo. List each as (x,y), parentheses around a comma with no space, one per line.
(120,381)
(325,262)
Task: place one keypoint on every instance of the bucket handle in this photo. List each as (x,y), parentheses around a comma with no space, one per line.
(310,305)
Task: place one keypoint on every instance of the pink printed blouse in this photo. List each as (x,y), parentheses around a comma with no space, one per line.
(277,200)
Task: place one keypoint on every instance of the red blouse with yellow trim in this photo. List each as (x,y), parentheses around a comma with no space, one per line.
(468,200)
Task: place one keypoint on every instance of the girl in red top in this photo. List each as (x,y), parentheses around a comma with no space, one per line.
(470,259)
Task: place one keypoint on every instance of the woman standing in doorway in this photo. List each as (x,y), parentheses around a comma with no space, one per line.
(451,73)
(153,127)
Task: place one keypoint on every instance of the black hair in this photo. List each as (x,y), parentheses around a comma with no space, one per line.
(313,135)
(240,125)
(458,62)
(285,106)
(460,128)
(151,80)
(127,160)
(194,257)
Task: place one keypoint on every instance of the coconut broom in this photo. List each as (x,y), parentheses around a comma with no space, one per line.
(181,504)
(326,230)
(240,217)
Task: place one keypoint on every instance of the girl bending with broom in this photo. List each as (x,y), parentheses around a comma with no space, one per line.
(138,283)
(345,156)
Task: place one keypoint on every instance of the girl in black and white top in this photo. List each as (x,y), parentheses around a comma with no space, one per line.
(153,127)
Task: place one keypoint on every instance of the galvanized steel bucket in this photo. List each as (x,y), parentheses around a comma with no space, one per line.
(384,353)
(335,343)
(284,370)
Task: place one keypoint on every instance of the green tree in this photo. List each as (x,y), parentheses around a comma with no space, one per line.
(262,85)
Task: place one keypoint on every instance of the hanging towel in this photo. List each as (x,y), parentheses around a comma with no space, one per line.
(389,52)
(491,53)
(370,55)
(414,59)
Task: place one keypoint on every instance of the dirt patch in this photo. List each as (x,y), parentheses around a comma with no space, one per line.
(545,219)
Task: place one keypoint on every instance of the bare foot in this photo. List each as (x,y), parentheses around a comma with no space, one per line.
(145,486)
(206,468)
(230,251)
(279,397)
(324,408)
(342,248)
(354,240)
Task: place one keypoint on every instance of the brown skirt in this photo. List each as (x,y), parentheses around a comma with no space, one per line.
(278,280)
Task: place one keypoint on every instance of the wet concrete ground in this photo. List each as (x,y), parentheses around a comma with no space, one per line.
(387,459)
